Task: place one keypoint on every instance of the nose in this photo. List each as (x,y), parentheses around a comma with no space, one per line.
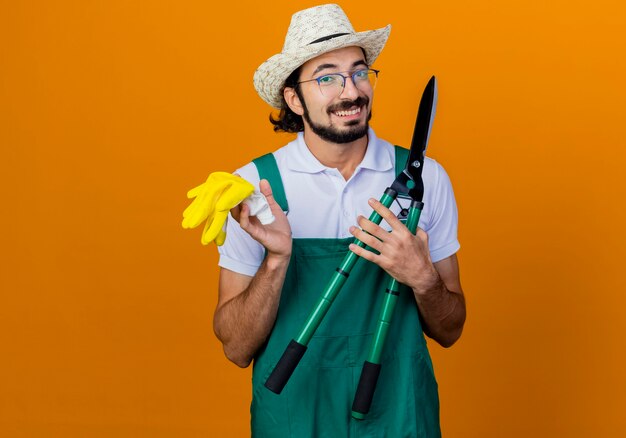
(350,91)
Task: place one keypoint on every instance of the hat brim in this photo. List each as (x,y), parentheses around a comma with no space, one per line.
(270,77)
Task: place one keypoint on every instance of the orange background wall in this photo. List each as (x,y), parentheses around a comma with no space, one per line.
(111,110)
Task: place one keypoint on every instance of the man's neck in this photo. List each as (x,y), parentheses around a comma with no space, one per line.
(344,157)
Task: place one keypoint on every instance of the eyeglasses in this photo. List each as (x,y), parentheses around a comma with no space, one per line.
(332,85)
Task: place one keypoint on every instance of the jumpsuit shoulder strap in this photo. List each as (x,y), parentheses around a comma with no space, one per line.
(268,169)
(402,155)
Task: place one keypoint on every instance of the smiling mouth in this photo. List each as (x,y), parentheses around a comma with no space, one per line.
(346,113)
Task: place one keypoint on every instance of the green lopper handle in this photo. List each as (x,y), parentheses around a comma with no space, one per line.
(371,368)
(297,347)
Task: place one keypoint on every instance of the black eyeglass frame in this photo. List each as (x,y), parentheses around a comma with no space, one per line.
(344,78)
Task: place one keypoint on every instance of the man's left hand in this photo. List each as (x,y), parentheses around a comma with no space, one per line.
(404,256)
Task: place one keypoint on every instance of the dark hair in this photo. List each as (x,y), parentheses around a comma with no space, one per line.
(287,120)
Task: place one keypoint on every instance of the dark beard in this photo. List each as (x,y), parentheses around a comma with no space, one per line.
(334,135)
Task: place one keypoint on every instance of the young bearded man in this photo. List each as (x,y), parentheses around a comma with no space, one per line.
(319,187)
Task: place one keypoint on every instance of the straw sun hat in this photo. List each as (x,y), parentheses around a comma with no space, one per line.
(311,33)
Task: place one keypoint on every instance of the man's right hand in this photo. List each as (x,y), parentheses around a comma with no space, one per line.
(275,237)
(247,306)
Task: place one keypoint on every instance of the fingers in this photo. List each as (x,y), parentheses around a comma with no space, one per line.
(373,229)
(248,223)
(386,214)
(364,253)
(370,233)
(244,217)
(422,235)
(236,211)
(367,238)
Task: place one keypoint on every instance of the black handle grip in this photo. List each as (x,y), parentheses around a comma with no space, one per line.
(365,390)
(285,367)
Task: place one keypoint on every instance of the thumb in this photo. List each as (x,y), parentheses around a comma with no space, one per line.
(266,190)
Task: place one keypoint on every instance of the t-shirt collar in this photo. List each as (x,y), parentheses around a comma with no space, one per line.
(302,160)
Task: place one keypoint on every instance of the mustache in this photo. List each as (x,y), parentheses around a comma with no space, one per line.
(347,104)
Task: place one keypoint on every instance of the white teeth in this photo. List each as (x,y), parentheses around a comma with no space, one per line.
(348,113)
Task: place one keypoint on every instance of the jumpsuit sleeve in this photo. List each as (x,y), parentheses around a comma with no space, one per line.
(443,221)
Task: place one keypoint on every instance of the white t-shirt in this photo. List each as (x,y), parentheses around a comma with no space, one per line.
(322,204)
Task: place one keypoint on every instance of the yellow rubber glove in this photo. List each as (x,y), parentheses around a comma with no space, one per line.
(213,200)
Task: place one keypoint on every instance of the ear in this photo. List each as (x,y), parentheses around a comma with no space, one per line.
(293,101)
